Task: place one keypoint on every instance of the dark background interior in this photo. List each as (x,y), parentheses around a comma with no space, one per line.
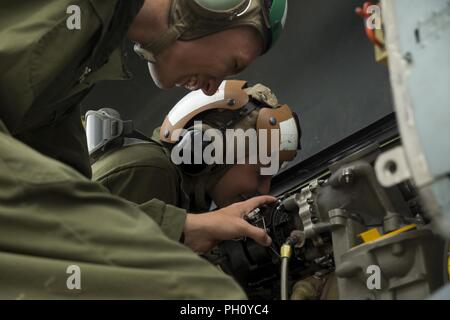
(323,67)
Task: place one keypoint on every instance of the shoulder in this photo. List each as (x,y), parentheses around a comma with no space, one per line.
(141,157)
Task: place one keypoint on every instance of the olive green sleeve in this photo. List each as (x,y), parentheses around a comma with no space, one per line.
(141,183)
(64,140)
(170,219)
(145,184)
(53,222)
(41,63)
(36,46)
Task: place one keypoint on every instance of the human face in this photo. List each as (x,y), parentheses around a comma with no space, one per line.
(204,63)
(239,182)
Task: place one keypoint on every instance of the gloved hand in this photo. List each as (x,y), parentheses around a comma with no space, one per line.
(204,231)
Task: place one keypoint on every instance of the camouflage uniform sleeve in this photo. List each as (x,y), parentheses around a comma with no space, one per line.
(53,219)
(155,190)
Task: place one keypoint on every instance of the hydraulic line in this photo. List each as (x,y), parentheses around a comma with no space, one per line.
(285,254)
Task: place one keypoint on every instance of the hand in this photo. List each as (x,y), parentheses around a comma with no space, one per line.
(204,231)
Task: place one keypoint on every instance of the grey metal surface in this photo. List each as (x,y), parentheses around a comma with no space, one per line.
(408,264)
(418,42)
(323,67)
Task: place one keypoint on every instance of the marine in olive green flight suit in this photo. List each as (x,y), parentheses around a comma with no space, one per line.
(52,216)
(143,170)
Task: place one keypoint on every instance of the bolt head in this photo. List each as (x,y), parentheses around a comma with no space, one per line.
(166,133)
(408,57)
(347,176)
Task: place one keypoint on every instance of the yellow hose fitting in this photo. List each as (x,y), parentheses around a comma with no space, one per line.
(286,251)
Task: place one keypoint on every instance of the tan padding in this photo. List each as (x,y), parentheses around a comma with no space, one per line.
(279,114)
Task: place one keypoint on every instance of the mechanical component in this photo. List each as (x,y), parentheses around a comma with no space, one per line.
(347,176)
(392,168)
(384,252)
(406,263)
(347,223)
(296,238)
(256,218)
(418,43)
(307,211)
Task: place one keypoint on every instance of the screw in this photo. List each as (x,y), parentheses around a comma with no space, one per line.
(166,133)
(272,121)
(231,102)
(408,57)
(347,176)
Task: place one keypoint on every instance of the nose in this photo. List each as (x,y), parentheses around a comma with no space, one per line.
(211,87)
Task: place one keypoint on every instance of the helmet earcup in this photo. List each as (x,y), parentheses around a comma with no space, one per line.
(187,146)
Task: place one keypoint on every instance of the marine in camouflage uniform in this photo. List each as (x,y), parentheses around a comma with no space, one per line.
(51,214)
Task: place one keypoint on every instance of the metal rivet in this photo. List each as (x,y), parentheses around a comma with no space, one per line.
(408,57)
(273,121)
(166,133)
(231,102)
